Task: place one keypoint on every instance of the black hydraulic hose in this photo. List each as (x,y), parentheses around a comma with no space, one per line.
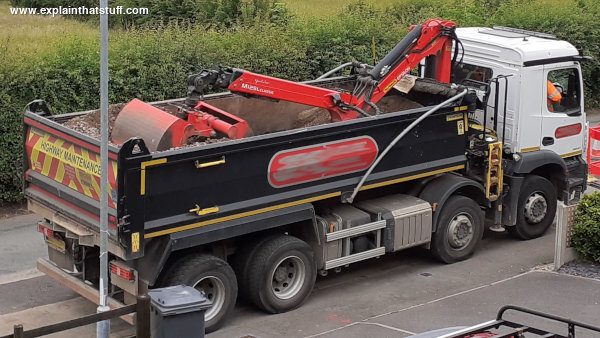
(393,57)
(398,138)
(360,111)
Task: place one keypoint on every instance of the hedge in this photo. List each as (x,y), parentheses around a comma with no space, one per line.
(586,231)
(151,62)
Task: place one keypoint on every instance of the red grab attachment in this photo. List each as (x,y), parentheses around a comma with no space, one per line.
(212,118)
(159,129)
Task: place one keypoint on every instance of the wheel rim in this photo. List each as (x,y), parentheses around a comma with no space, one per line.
(214,289)
(535,208)
(460,231)
(288,277)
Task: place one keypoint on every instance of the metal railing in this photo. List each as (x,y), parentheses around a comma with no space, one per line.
(141,308)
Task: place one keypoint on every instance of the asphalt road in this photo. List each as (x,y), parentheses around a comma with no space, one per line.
(397,281)
(21,285)
(363,291)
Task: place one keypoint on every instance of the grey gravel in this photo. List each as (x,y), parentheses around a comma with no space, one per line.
(582,269)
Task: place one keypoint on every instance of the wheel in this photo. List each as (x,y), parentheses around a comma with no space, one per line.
(240,262)
(460,227)
(281,274)
(536,208)
(215,278)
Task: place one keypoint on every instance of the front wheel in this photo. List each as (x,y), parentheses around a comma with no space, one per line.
(215,278)
(460,227)
(536,208)
(281,274)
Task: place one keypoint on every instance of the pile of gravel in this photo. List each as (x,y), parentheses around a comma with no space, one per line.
(581,268)
(89,124)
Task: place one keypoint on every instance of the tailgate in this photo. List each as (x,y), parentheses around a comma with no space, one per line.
(62,172)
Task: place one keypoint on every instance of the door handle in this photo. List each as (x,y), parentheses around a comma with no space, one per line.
(548,141)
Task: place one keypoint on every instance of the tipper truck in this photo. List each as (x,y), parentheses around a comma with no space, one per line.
(259,204)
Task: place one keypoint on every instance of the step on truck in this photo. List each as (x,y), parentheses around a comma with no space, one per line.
(254,192)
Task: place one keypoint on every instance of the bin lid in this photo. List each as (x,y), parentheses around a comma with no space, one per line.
(178,299)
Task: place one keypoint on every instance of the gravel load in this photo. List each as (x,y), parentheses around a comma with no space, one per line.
(89,124)
(280,117)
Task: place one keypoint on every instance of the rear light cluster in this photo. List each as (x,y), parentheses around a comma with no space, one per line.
(45,230)
(121,272)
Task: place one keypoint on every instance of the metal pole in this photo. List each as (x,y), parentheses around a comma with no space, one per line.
(18,331)
(103,327)
(142,319)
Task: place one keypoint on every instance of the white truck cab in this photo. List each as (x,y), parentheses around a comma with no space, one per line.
(527,120)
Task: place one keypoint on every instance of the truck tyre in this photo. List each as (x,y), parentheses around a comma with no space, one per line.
(460,227)
(240,262)
(215,278)
(281,274)
(536,208)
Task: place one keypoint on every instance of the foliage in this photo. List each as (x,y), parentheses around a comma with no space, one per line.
(217,13)
(57,60)
(586,232)
(573,22)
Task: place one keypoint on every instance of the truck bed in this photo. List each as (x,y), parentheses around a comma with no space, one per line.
(199,188)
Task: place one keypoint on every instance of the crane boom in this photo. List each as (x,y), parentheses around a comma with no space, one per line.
(431,40)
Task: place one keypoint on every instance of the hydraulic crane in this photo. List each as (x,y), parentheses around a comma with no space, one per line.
(431,41)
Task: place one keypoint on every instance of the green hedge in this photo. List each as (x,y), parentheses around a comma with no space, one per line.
(151,63)
(586,232)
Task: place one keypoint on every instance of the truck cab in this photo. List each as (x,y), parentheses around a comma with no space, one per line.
(531,99)
(526,62)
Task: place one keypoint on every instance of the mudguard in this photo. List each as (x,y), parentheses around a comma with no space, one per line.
(532,160)
(438,190)
(160,248)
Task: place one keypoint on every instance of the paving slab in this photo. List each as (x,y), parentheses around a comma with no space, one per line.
(32,292)
(567,296)
(20,244)
(393,282)
(366,329)
(58,312)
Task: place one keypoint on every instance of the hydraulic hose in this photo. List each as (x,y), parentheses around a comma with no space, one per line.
(338,68)
(397,139)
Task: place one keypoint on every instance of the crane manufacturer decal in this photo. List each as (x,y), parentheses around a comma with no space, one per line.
(321,161)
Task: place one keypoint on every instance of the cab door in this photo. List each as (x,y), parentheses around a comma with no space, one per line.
(563,120)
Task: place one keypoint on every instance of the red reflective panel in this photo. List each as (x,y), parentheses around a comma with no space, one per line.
(121,272)
(570,130)
(47,232)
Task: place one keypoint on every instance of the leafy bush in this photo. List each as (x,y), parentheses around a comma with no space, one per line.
(573,23)
(586,232)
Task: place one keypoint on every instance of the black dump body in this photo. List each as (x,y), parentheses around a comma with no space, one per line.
(201,186)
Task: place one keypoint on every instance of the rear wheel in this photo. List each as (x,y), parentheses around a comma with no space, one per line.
(215,278)
(240,262)
(460,227)
(281,274)
(536,208)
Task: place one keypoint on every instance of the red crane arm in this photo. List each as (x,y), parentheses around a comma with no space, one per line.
(433,41)
(279,89)
(430,39)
